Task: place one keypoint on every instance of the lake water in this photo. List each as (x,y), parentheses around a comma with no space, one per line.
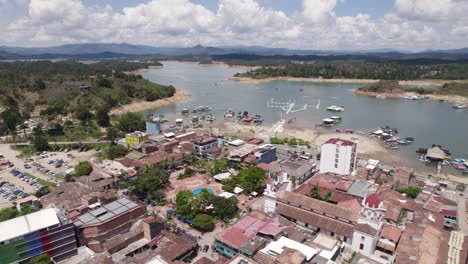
(429,122)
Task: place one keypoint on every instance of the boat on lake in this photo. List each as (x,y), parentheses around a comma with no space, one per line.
(247,119)
(336,119)
(258,119)
(380,96)
(179,122)
(202,108)
(328,122)
(414,97)
(229,113)
(335,108)
(459,106)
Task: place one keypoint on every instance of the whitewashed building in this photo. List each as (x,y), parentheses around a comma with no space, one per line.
(367,230)
(338,156)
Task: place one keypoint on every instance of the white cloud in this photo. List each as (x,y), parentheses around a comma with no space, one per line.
(241,22)
(317,11)
(424,9)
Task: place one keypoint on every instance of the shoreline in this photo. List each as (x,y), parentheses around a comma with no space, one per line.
(151,67)
(141,106)
(416,83)
(297,79)
(454,99)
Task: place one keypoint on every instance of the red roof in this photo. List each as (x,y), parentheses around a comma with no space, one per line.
(353,205)
(450,213)
(372,201)
(391,232)
(340,141)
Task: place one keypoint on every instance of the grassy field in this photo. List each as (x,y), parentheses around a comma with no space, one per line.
(42,181)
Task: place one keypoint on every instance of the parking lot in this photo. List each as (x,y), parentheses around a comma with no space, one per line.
(48,166)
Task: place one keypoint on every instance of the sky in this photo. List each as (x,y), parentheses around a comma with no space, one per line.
(411,25)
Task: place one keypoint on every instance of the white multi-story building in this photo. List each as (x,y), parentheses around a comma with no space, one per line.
(338,156)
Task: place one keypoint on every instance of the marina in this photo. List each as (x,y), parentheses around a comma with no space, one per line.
(427,121)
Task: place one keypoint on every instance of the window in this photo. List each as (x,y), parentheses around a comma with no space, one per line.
(361,246)
(336,165)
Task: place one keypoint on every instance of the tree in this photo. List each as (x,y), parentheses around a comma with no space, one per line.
(184,204)
(8,213)
(83,168)
(116,151)
(130,122)
(187,173)
(315,192)
(83,114)
(41,143)
(411,191)
(43,191)
(327,196)
(151,184)
(219,166)
(252,179)
(204,222)
(41,259)
(104,82)
(225,208)
(10,118)
(39,84)
(102,116)
(112,134)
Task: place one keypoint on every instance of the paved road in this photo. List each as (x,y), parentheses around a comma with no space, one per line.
(58,143)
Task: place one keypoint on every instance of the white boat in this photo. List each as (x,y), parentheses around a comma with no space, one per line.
(179,122)
(336,119)
(459,106)
(414,97)
(380,96)
(335,108)
(328,121)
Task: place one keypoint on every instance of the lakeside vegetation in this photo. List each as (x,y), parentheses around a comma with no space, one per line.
(86,91)
(361,70)
(393,87)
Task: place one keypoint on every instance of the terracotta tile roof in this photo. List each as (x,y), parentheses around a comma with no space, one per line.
(246,228)
(317,220)
(391,232)
(343,185)
(403,175)
(353,205)
(367,229)
(387,246)
(433,206)
(314,204)
(393,212)
(265,166)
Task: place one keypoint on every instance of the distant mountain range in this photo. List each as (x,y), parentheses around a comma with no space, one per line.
(124,50)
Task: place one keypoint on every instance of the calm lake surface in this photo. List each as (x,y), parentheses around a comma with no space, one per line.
(429,122)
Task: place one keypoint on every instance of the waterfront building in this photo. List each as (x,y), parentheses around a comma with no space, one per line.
(338,156)
(201,146)
(135,138)
(153,127)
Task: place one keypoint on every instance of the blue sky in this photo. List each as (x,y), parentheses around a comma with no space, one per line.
(302,24)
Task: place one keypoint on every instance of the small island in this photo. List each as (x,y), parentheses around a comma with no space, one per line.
(449,91)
